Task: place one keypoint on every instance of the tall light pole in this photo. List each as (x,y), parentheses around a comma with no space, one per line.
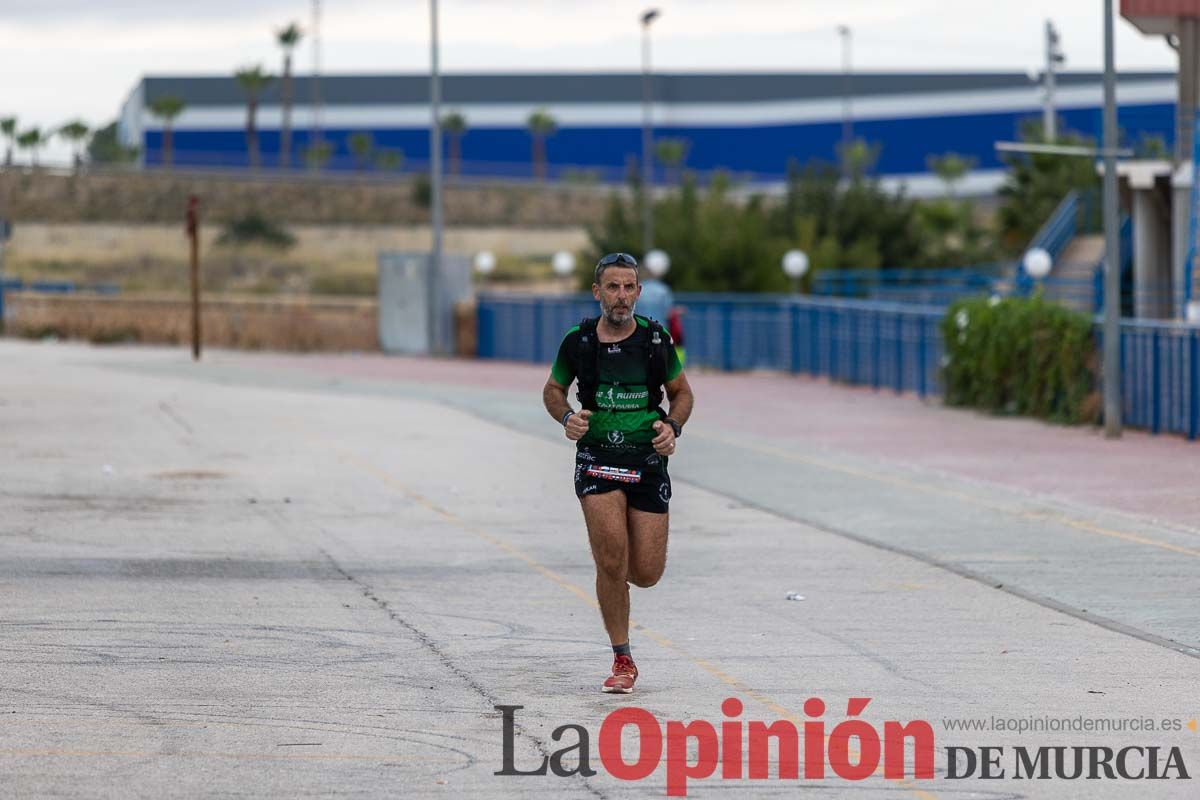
(1112,243)
(435,180)
(1054,57)
(648,16)
(847,95)
(315,85)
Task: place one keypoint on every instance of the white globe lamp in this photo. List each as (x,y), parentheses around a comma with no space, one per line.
(657,263)
(795,264)
(563,263)
(485,262)
(1037,263)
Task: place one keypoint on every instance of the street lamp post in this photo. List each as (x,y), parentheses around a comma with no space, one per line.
(315,87)
(1112,244)
(1054,58)
(435,180)
(647,166)
(847,92)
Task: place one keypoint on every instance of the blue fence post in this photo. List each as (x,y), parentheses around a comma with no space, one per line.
(855,351)
(1156,383)
(814,341)
(727,336)
(877,361)
(1194,394)
(834,370)
(483,330)
(794,315)
(922,356)
(899,383)
(537,329)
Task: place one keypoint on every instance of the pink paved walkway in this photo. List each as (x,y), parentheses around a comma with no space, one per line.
(1151,476)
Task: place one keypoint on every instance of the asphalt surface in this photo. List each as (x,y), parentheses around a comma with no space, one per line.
(277,577)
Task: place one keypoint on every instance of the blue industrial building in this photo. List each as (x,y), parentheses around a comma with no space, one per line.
(752,124)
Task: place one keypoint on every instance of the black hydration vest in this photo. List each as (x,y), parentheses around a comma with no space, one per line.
(587,363)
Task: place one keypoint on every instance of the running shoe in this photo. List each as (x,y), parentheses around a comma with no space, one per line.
(624,673)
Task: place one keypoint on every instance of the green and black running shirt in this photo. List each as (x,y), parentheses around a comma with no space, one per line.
(622,426)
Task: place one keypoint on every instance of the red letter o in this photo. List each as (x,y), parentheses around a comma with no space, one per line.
(650,743)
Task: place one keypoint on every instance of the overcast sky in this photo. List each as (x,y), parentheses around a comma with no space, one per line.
(66,58)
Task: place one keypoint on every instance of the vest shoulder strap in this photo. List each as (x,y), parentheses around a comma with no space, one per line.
(587,368)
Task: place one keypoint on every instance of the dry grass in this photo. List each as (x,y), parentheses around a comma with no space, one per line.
(337,260)
(236,322)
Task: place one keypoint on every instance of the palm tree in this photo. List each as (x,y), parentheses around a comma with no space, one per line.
(317,155)
(252,80)
(541,125)
(455,125)
(950,169)
(76,132)
(288,38)
(671,153)
(8,126)
(389,160)
(167,108)
(361,145)
(31,140)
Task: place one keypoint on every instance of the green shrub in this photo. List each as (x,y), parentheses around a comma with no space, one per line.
(422,191)
(254,228)
(1021,356)
(344,283)
(119,335)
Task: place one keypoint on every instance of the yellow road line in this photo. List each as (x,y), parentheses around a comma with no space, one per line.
(390,480)
(1052,516)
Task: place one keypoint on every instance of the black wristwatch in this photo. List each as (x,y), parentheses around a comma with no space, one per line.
(675,426)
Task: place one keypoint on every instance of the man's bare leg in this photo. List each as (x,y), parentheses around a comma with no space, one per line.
(647,547)
(608,532)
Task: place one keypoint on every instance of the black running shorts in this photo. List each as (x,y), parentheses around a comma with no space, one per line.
(647,486)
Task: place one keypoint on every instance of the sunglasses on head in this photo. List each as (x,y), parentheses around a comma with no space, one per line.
(618,258)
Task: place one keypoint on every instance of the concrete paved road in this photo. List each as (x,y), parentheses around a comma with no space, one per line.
(281,576)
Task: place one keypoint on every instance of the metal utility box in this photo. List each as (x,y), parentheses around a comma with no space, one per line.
(416,307)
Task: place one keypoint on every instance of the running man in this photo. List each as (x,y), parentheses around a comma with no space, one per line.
(622,363)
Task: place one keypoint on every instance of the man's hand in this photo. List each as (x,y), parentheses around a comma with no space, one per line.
(577,425)
(664,441)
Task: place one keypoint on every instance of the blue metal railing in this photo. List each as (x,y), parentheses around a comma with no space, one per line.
(1053,237)
(875,283)
(52,287)
(1160,367)
(1189,262)
(894,346)
(886,345)
(1125,239)
(1057,231)
(58,287)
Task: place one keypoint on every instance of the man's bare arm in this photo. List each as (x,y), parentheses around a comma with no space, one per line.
(554,397)
(680,399)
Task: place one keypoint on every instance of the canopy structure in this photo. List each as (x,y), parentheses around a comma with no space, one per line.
(1179,21)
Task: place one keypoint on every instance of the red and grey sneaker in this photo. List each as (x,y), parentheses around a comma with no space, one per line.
(624,673)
